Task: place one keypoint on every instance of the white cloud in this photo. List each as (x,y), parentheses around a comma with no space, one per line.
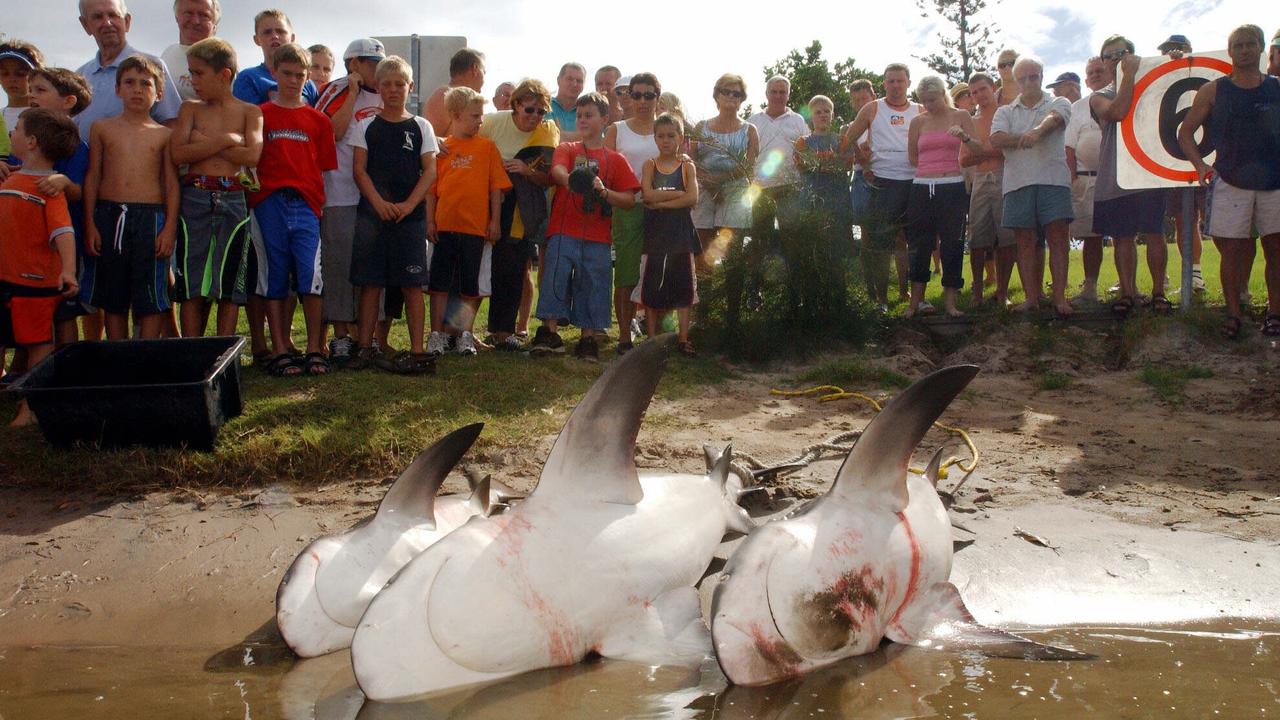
(688,47)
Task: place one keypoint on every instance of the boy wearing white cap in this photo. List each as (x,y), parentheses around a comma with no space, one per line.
(346,101)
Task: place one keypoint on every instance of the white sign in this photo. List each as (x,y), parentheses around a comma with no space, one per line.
(1147,152)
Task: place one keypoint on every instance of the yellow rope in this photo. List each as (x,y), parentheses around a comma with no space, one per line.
(833,392)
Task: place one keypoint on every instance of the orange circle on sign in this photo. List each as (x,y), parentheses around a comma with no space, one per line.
(1126,125)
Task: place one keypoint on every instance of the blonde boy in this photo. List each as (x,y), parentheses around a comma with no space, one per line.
(463,212)
(131,200)
(216,135)
(394,161)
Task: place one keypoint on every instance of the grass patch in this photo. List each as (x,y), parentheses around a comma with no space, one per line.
(851,374)
(311,431)
(1170,383)
(1050,380)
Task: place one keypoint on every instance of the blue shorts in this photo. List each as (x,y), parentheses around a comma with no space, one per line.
(286,236)
(127,274)
(576,283)
(1036,205)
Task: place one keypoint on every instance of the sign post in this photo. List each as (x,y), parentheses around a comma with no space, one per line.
(1148,155)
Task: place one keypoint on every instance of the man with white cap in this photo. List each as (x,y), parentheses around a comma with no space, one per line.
(346,102)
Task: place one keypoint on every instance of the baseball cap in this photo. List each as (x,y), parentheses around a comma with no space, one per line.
(365,47)
(19,54)
(959,89)
(1275,41)
(1065,77)
(1174,41)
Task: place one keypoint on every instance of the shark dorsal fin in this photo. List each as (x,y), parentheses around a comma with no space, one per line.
(878,462)
(479,500)
(719,470)
(594,456)
(412,497)
(934,468)
(711,454)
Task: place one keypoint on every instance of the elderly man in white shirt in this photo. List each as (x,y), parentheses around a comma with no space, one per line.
(1037,183)
(778,127)
(1084,141)
(197,20)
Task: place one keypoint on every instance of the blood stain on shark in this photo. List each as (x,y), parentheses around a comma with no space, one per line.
(834,613)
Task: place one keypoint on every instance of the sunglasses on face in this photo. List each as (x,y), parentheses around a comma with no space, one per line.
(736,94)
(531,110)
(644,96)
(1006,64)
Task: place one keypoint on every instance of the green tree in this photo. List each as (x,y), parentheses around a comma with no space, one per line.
(966,45)
(810,74)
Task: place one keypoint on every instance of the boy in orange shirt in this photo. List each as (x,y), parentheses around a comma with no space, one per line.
(37,242)
(463,214)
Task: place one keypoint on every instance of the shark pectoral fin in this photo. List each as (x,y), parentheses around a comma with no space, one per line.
(667,631)
(938,619)
(877,464)
(934,468)
(593,459)
(501,492)
(480,498)
(412,497)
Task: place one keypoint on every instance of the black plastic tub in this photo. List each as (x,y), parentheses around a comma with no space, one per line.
(137,392)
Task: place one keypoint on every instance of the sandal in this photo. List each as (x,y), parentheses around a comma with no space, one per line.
(1121,307)
(1160,305)
(262,358)
(1271,325)
(407,363)
(285,365)
(1231,327)
(316,364)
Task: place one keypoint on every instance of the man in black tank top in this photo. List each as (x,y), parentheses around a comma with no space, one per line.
(1242,112)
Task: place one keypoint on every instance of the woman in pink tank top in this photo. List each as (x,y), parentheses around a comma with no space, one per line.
(937,204)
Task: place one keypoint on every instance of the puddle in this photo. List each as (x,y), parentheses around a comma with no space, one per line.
(1222,669)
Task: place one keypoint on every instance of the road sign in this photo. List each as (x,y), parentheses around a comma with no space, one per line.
(1147,155)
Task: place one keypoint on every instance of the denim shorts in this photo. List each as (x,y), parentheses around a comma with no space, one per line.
(1036,205)
(575,283)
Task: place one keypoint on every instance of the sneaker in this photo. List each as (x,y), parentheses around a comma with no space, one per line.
(511,344)
(636,330)
(340,349)
(587,350)
(1197,280)
(466,344)
(546,342)
(435,343)
(926,307)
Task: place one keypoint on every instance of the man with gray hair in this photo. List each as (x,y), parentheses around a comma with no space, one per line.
(1036,183)
(197,20)
(108,22)
(778,127)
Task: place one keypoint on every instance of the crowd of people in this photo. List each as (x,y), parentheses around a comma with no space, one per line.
(139,182)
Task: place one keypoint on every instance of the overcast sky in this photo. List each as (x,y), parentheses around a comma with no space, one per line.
(687,49)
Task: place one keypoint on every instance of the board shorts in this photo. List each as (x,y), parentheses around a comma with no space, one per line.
(211,254)
(127,274)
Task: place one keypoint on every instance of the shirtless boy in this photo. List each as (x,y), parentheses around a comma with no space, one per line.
(217,135)
(131,198)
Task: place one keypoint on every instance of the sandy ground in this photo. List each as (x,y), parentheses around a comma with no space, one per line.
(179,568)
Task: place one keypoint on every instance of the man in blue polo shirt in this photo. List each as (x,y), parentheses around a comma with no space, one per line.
(108,22)
(256,85)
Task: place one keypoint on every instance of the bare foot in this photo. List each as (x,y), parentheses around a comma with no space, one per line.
(977,297)
(1025,306)
(954,312)
(1064,309)
(25,417)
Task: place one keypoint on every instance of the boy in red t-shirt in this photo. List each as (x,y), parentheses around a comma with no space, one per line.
(298,146)
(463,217)
(576,280)
(37,241)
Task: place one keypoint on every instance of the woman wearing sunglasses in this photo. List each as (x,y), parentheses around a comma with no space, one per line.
(633,138)
(725,149)
(525,137)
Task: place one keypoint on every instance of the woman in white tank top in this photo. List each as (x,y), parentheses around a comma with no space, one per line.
(633,138)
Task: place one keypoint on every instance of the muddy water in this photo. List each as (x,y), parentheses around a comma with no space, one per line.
(1228,670)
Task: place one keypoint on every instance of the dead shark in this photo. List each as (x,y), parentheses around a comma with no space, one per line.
(597,559)
(330,583)
(868,560)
